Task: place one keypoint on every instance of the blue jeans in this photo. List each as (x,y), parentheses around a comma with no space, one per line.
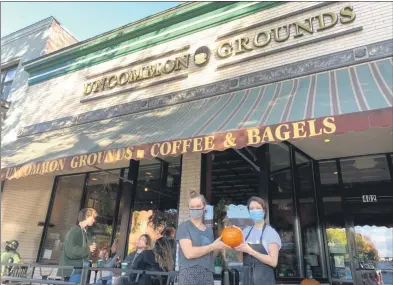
(75,277)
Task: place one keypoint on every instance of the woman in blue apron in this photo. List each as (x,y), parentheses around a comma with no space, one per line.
(260,247)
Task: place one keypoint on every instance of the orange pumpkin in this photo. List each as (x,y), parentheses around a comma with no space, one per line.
(309,282)
(232,236)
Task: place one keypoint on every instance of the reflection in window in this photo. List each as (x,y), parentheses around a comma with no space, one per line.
(338,252)
(233,182)
(156,201)
(283,218)
(64,215)
(308,219)
(364,169)
(102,189)
(328,171)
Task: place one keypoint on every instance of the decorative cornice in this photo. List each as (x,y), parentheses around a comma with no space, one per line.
(302,68)
(45,23)
(179,24)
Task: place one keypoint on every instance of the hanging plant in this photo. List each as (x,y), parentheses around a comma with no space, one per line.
(220,215)
(104,199)
(160,219)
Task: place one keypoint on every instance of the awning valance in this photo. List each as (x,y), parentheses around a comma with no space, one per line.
(332,102)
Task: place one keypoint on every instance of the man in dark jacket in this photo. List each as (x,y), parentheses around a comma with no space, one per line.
(76,249)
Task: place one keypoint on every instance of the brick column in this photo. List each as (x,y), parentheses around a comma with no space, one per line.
(190,181)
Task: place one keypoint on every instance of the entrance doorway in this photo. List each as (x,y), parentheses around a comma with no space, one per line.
(370,221)
(359,220)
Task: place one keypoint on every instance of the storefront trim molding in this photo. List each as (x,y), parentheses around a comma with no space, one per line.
(341,59)
(204,16)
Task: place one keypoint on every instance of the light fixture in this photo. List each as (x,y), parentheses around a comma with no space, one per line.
(151,202)
(365,163)
(335,172)
(327,140)
(148,173)
(94,179)
(146,189)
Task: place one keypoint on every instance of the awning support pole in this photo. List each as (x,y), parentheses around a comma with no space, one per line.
(250,152)
(248,160)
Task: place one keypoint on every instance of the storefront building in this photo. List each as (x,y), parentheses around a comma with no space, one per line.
(288,101)
(21,46)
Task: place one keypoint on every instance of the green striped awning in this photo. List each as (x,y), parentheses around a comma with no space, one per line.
(359,88)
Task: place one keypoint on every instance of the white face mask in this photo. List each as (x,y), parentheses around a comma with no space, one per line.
(196,213)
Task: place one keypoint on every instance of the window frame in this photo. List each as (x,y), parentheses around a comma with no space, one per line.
(4,73)
(123,188)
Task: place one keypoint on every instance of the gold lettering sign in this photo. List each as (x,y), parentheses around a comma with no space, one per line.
(219,141)
(135,75)
(279,34)
(260,39)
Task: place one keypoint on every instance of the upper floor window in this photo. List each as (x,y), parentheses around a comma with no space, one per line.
(7,77)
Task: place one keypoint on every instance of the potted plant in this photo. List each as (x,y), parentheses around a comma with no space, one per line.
(218,264)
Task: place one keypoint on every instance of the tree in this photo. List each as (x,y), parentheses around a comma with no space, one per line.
(366,249)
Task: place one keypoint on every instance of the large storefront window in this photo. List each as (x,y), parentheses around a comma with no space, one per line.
(233,180)
(64,215)
(312,240)
(155,206)
(156,200)
(283,213)
(101,194)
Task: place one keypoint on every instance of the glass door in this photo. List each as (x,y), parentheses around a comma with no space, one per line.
(368,200)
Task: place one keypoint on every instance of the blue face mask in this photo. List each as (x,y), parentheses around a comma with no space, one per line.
(257,215)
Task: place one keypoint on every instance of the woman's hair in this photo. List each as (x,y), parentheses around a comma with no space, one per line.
(149,242)
(195,195)
(163,254)
(260,201)
(169,232)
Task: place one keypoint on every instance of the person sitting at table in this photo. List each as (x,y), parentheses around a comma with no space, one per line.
(107,262)
(114,247)
(160,258)
(144,242)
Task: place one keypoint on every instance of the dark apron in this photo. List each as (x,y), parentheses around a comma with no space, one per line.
(255,272)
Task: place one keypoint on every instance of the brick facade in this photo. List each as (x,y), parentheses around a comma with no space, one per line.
(190,181)
(24,203)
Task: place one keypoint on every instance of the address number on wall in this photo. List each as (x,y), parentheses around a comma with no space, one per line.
(369,198)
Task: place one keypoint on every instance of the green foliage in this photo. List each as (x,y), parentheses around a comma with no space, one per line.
(163,219)
(135,216)
(219,261)
(365,247)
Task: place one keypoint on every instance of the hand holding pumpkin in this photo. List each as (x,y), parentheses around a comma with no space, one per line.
(219,245)
(244,247)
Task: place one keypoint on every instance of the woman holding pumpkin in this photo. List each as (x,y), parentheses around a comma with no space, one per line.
(197,246)
(260,246)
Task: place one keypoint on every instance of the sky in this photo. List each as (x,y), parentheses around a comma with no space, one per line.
(82,19)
